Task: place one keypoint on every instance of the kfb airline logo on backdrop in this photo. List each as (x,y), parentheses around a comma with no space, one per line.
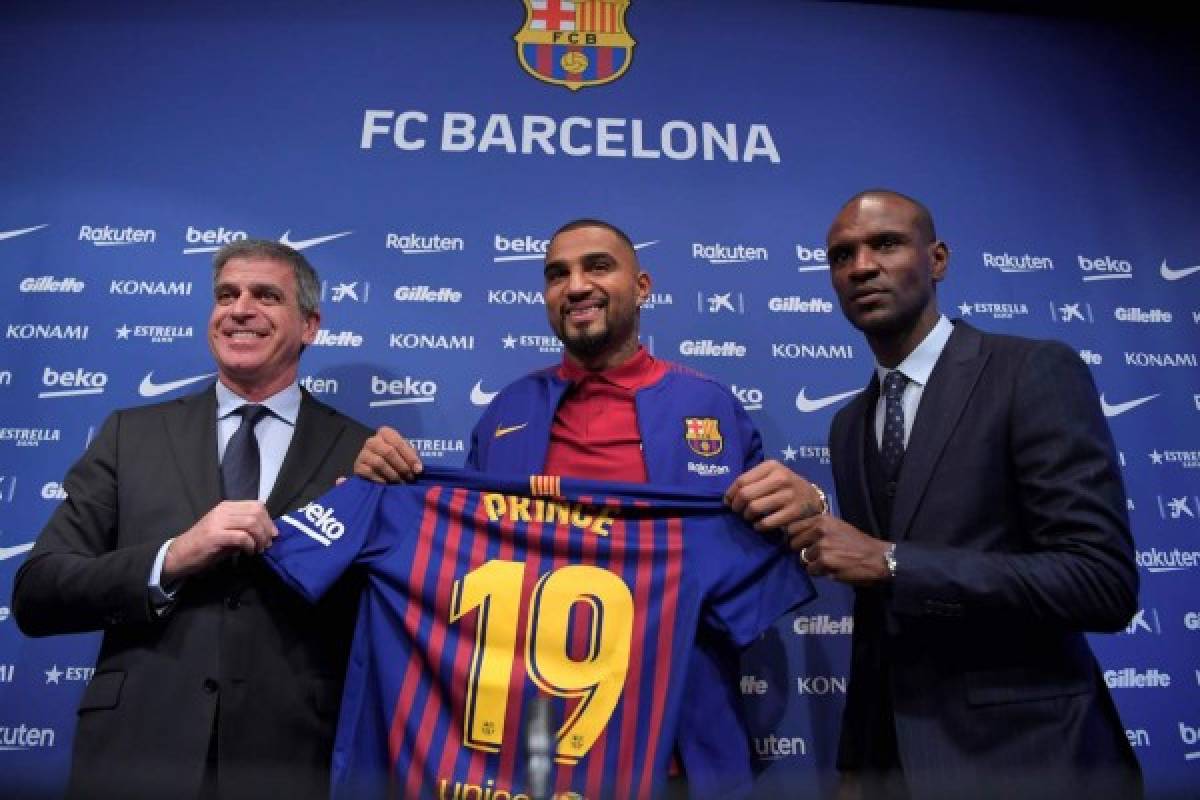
(575,44)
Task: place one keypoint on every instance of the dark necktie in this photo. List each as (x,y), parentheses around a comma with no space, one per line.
(891,445)
(239,467)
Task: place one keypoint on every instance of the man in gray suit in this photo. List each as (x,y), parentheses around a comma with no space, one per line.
(983,527)
(213,678)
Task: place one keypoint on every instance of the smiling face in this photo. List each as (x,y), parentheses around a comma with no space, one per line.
(593,289)
(257,330)
(884,263)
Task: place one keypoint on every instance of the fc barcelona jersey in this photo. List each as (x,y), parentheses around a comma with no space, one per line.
(485,593)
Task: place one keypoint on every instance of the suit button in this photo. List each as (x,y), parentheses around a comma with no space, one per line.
(210,686)
(233,602)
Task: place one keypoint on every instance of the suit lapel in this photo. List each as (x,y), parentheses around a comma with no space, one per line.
(191,433)
(317,430)
(856,443)
(942,404)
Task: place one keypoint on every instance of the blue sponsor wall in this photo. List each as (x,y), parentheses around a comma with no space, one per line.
(421,166)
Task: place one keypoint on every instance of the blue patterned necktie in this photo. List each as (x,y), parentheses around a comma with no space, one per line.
(239,467)
(891,446)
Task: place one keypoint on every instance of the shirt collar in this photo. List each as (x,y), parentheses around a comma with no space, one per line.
(918,365)
(284,404)
(631,375)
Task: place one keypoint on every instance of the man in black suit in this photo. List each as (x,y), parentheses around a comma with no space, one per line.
(983,525)
(213,678)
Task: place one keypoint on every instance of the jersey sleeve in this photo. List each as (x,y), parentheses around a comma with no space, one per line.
(755,580)
(321,540)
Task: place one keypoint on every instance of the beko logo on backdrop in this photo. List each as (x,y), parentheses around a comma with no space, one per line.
(1104,268)
(48,283)
(750,398)
(1133,314)
(426,294)
(211,239)
(1024,263)
(994,310)
(812,259)
(107,236)
(416,244)
(825,351)
(800,305)
(327,338)
(47,331)
(728,253)
(402,391)
(606,137)
(710,349)
(427,341)
(72,383)
(1130,678)
(518,248)
(151,288)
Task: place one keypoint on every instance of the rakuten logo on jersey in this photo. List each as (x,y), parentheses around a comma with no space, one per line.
(327,338)
(72,383)
(426,294)
(49,284)
(210,240)
(108,236)
(416,244)
(317,523)
(518,248)
(402,391)
(1104,268)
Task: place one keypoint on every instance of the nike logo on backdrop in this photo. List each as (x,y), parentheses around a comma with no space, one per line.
(511,429)
(479,397)
(23,231)
(149,388)
(303,244)
(14,551)
(1175,274)
(806,406)
(1120,408)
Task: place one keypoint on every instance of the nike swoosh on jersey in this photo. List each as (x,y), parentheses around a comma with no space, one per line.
(479,397)
(1176,274)
(21,232)
(806,406)
(1120,408)
(14,551)
(510,429)
(149,388)
(306,243)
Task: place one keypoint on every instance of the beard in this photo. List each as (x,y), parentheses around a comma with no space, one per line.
(585,346)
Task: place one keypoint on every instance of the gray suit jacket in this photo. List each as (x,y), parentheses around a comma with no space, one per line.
(1012,540)
(238,647)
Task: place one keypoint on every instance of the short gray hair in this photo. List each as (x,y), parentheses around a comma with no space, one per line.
(308,285)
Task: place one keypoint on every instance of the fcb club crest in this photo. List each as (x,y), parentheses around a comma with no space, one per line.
(703,435)
(575,43)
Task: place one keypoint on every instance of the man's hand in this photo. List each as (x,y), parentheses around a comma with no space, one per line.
(387,457)
(772,496)
(830,546)
(232,526)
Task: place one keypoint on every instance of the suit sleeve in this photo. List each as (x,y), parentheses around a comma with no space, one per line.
(76,577)
(1069,555)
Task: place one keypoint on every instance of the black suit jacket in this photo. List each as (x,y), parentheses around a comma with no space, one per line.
(238,646)
(1012,540)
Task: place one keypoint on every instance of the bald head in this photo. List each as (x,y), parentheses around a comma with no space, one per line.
(922,219)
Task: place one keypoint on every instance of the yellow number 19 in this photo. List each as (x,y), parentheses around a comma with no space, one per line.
(596,680)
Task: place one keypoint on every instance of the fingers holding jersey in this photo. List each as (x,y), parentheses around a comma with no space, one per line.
(387,457)
(772,496)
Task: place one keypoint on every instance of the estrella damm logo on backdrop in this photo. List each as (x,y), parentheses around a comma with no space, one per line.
(575,44)
(703,435)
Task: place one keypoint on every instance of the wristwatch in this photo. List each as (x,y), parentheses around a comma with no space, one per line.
(889,560)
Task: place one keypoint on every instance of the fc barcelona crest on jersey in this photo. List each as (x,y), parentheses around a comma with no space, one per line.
(703,435)
(575,43)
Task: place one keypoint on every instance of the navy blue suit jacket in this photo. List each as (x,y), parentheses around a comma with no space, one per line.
(1012,541)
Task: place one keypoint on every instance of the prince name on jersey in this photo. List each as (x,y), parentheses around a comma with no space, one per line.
(484,593)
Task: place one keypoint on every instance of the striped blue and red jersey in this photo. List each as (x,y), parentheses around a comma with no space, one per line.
(483,593)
